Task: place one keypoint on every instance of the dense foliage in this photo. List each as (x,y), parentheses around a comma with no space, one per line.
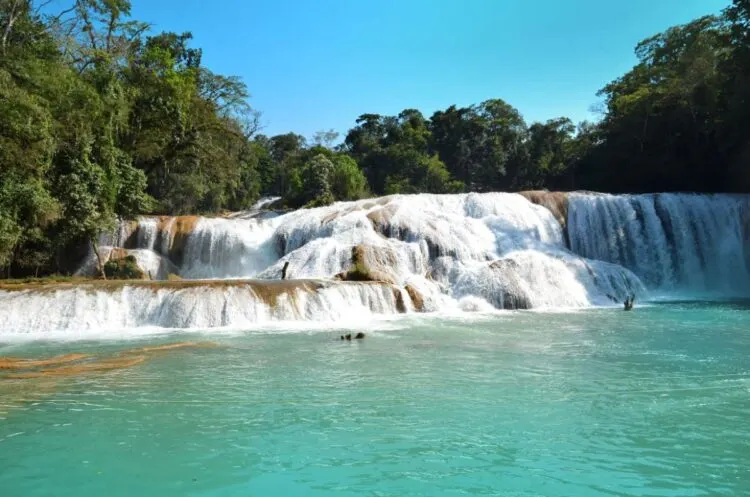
(102,119)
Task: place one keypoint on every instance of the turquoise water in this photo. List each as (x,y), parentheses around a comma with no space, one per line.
(654,402)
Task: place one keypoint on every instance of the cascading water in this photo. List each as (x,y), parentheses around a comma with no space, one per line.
(438,252)
(94,310)
(228,248)
(676,243)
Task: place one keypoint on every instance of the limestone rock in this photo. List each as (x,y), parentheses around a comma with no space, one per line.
(417,299)
(372,263)
(555,202)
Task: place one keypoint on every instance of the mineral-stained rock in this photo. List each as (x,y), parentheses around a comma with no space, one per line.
(371,263)
(555,202)
(417,299)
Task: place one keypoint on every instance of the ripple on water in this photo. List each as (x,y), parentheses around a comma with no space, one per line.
(590,403)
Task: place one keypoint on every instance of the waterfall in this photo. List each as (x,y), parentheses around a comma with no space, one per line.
(500,248)
(683,243)
(463,252)
(228,248)
(103,310)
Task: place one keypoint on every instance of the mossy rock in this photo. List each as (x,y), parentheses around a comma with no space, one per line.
(371,264)
(125,268)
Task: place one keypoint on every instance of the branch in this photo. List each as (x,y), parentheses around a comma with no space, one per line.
(58,17)
(138,32)
(13,15)
(89,27)
(42,5)
(110,29)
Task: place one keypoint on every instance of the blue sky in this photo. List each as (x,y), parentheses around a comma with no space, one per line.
(318,64)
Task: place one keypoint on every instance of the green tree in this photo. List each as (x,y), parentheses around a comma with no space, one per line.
(316,182)
(347,180)
(550,149)
(734,122)
(482,145)
(658,132)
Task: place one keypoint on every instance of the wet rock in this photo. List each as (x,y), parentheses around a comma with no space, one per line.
(417,299)
(371,263)
(348,336)
(126,267)
(400,304)
(505,288)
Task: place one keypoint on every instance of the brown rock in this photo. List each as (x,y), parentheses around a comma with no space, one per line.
(400,304)
(417,299)
(177,230)
(76,369)
(130,235)
(370,263)
(117,253)
(555,202)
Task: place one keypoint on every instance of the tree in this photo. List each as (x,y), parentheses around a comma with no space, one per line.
(550,147)
(395,154)
(316,182)
(481,145)
(735,98)
(325,138)
(659,130)
(347,180)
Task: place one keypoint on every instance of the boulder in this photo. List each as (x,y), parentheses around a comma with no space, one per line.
(555,202)
(175,231)
(128,235)
(400,303)
(417,299)
(371,263)
(124,268)
(505,288)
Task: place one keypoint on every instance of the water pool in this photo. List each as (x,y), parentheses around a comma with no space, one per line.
(599,402)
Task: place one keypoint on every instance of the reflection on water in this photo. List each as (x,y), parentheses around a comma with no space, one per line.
(601,402)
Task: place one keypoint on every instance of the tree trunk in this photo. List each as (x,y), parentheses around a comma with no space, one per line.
(13,15)
(99,263)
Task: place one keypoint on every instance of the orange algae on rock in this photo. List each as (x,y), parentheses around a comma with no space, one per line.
(12,363)
(76,364)
(175,346)
(100,366)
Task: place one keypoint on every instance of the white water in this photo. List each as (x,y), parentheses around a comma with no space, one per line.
(152,263)
(468,252)
(87,312)
(676,243)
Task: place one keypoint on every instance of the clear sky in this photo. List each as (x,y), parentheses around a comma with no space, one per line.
(318,64)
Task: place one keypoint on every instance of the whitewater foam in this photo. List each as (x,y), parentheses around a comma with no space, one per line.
(465,253)
(676,243)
